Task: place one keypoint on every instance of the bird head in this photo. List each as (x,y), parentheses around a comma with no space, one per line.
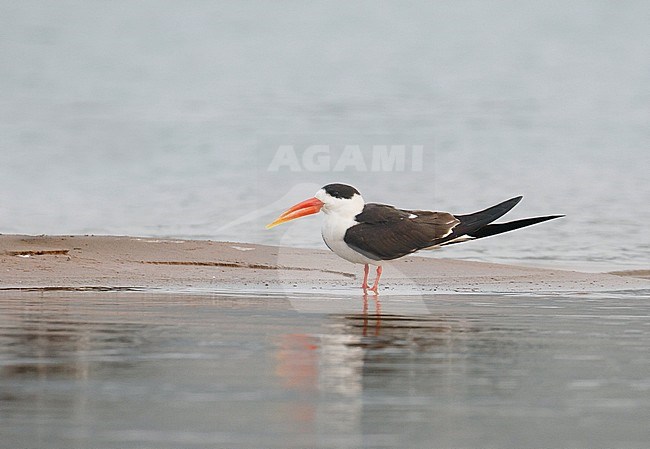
(338,199)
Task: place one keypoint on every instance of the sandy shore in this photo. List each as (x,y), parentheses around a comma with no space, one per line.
(96,262)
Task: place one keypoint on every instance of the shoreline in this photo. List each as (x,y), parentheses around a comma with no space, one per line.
(123,262)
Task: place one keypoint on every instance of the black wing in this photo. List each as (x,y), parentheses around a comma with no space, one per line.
(385,232)
(470,224)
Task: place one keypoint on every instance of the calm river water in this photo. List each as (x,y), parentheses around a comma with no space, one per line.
(164,118)
(137,370)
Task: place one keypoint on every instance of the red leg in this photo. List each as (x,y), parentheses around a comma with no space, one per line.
(376,284)
(366,269)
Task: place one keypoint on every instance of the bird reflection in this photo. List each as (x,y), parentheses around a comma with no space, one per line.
(377,315)
(336,362)
(423,353)
(307,362)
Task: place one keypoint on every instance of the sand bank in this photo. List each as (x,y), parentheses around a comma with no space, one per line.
(96,262)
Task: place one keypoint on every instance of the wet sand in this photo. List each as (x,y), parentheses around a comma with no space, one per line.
(109,262)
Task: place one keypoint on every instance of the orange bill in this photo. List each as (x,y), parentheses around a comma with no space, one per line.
(307,207)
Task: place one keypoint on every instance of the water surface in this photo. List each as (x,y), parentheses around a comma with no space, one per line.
(161,118)
(120,370)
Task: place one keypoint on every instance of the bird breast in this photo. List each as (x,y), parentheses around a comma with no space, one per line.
(333,232)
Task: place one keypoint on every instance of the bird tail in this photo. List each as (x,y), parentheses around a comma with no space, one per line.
(478,224)
(499,228)
(473,222)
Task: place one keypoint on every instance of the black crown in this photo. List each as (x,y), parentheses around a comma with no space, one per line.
(342,191)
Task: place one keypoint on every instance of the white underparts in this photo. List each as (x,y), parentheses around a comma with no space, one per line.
(338,217)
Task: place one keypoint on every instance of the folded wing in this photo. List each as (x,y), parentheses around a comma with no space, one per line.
(385,232)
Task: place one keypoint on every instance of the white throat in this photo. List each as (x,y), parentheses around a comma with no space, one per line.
(338,218)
